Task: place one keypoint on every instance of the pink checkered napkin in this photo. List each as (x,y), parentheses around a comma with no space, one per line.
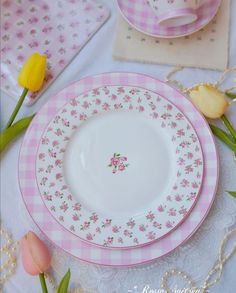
(58,29)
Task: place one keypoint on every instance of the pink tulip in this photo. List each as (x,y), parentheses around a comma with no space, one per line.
(35,255)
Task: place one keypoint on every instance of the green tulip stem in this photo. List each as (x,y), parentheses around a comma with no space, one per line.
(225,137)
(43,283)
(230,127)
(17,108)
(231,95)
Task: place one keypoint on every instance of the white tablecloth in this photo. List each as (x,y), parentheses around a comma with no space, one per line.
(196,257)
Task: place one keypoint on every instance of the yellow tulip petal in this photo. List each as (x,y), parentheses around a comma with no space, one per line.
(209,100)
(32,73)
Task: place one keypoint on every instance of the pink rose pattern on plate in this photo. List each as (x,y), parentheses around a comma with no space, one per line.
(58,29)
(118,163)
(153,224)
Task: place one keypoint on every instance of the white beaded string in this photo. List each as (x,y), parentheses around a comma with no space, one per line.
(8,251)
(217,84)
(216,271)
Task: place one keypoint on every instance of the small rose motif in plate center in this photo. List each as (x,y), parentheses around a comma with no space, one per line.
(118,163)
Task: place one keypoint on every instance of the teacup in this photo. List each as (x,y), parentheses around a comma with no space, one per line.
(173,13)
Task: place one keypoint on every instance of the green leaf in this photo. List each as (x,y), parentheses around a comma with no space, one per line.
(13,131)
(231,95)
(225,137)
(229,125)
(232,193)
(64,284)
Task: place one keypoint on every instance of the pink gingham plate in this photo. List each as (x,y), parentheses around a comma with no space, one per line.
(119,166)
(71,243)
(140,15)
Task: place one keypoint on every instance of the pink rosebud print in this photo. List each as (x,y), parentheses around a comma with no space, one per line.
(169,107)
(115,229)
(120,240)
(179,116)
(20,35)
(55,143)
(72,228)
(127,99)
(64,206)
(161,208)
(128,233)
(83,117)
(6,3)
(142,228)
(77,207)
(85,226)
(89,237)
(188,169)
(120,90)
(93,218)
(131,223)
(75,217)
(183,211)
(118,106)
(178,197)
(195,184)
(108,241)
(169,224)
(98,230)
(113,97)
(107,223)
(59,176)
(151,235)
(184,183)
(189,155)
(33,20)
(58,163)
(173,125)
(6,25)
(157,225)
(121,167)
(153,107)
(106,106)
(150,216)
(180,133)
(136,240)
(172,212)
(141,109)
(197,162)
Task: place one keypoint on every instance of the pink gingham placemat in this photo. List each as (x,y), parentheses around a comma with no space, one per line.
(138,13)
(192,50)
(58,29)
(69,242)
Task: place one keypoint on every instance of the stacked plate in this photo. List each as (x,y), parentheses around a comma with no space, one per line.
(118,169)
(168,19)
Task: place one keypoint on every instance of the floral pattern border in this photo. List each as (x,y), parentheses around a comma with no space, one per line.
(129,232)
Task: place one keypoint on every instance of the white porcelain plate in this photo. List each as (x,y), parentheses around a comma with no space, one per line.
(119,166)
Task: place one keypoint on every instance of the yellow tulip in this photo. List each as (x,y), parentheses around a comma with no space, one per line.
(209,100)
(31,78)
(32,73)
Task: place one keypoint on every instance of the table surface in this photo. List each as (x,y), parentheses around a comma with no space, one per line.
(92,60)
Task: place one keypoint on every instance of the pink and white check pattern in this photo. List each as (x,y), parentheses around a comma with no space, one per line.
(139,14)
(69,242)
(57,29)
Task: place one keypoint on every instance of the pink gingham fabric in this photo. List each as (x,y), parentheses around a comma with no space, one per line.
(57,29)
(69,242)
(139,14)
